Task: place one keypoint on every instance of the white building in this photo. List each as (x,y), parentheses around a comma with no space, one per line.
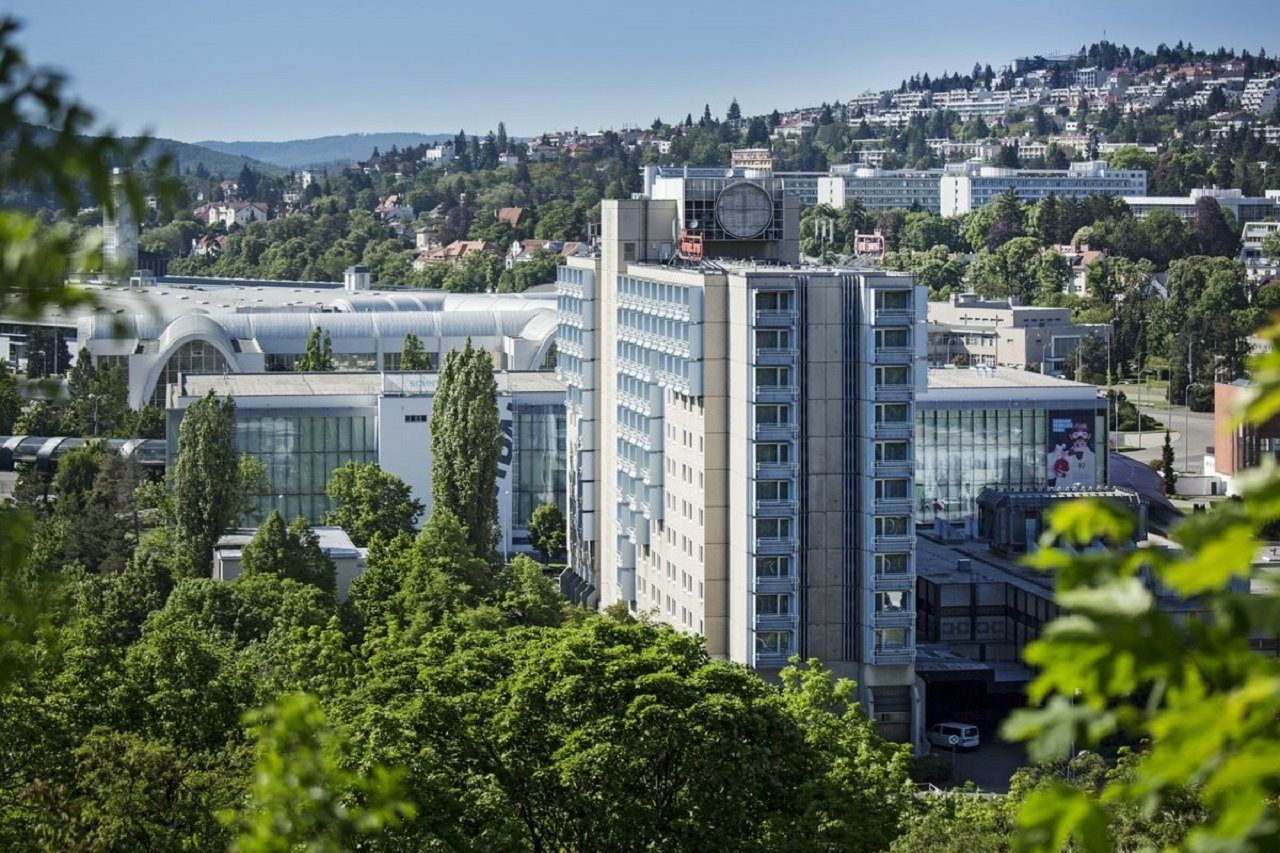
(120,231)
(1242,207)
(740,434)
(961,192)
(302,426)
(200,325)
(882,189)
(229,213)
(757,159)
(438,155)
(1260,95)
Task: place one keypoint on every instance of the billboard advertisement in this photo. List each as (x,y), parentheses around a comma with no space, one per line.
(1072,460)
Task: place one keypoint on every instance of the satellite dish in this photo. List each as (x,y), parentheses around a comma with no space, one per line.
(744,210)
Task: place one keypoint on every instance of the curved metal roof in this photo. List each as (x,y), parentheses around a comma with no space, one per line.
(428,315)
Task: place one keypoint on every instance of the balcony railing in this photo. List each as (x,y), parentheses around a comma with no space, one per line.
(775,317)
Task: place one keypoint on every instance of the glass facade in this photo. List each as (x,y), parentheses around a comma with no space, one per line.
(300,453)
(538,469)
(192,357)
(961,451)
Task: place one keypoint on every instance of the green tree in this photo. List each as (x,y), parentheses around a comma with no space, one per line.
(1271,246)
(302,798)
(293,552)
(556,221)
(206,487)
(318,355)
(370,502)
(413,355)
(466,439)
(547,530)
(1167,465)
(10,402)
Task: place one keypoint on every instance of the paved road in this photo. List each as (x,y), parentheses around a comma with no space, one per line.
(1190,432)
(990,766)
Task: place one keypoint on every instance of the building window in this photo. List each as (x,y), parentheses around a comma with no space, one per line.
(892,451)
(773,300)
(894,489)
(773,604)
(767,339)
(417,419)
(773,642)
(893,601)
(773,490)
(772,377)
(773,567)
(191,358)
(893,300)
(892,564)
(891,413)
(773,528)
(773,453)
(891,525)
(772,414)
(891,374)
(890,639)
(892,339)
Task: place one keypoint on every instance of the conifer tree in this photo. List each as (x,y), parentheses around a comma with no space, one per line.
(413,355)
(319,354)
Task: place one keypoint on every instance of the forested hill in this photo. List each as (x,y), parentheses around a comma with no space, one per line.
(323,150)
(217,163)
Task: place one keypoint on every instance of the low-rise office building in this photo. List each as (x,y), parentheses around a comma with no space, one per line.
(965,191)
(302,426)
(979,428)
(1242,207)
(968,330)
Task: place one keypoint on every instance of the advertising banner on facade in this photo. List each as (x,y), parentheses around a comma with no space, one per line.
(1071,459)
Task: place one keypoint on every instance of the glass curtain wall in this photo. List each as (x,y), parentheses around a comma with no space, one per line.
(300,453)
(538,470)
(961,451)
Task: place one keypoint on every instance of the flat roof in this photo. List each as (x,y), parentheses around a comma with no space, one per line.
(999,377)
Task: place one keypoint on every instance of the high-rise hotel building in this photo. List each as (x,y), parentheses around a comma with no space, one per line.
(740,435)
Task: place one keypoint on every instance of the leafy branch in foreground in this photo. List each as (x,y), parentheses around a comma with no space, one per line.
(1194,691)
(301,797)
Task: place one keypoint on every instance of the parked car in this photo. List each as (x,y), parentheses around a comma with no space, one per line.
(954,736)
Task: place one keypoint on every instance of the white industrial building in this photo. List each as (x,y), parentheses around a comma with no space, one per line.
(198,325)
(302,426)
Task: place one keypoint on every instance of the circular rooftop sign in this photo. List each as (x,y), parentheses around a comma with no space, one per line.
(744,210)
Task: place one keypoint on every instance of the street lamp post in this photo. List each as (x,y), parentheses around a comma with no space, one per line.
(94,398)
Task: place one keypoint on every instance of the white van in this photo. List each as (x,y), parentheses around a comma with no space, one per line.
(954,736)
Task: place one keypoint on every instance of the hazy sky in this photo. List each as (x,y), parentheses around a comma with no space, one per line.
(282,69)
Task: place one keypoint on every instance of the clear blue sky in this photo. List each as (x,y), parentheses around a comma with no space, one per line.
(282,69)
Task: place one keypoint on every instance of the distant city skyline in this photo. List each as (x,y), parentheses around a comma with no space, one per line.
(289,69)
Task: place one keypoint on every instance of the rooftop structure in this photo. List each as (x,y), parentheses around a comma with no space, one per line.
(192,325)
(1000,333)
